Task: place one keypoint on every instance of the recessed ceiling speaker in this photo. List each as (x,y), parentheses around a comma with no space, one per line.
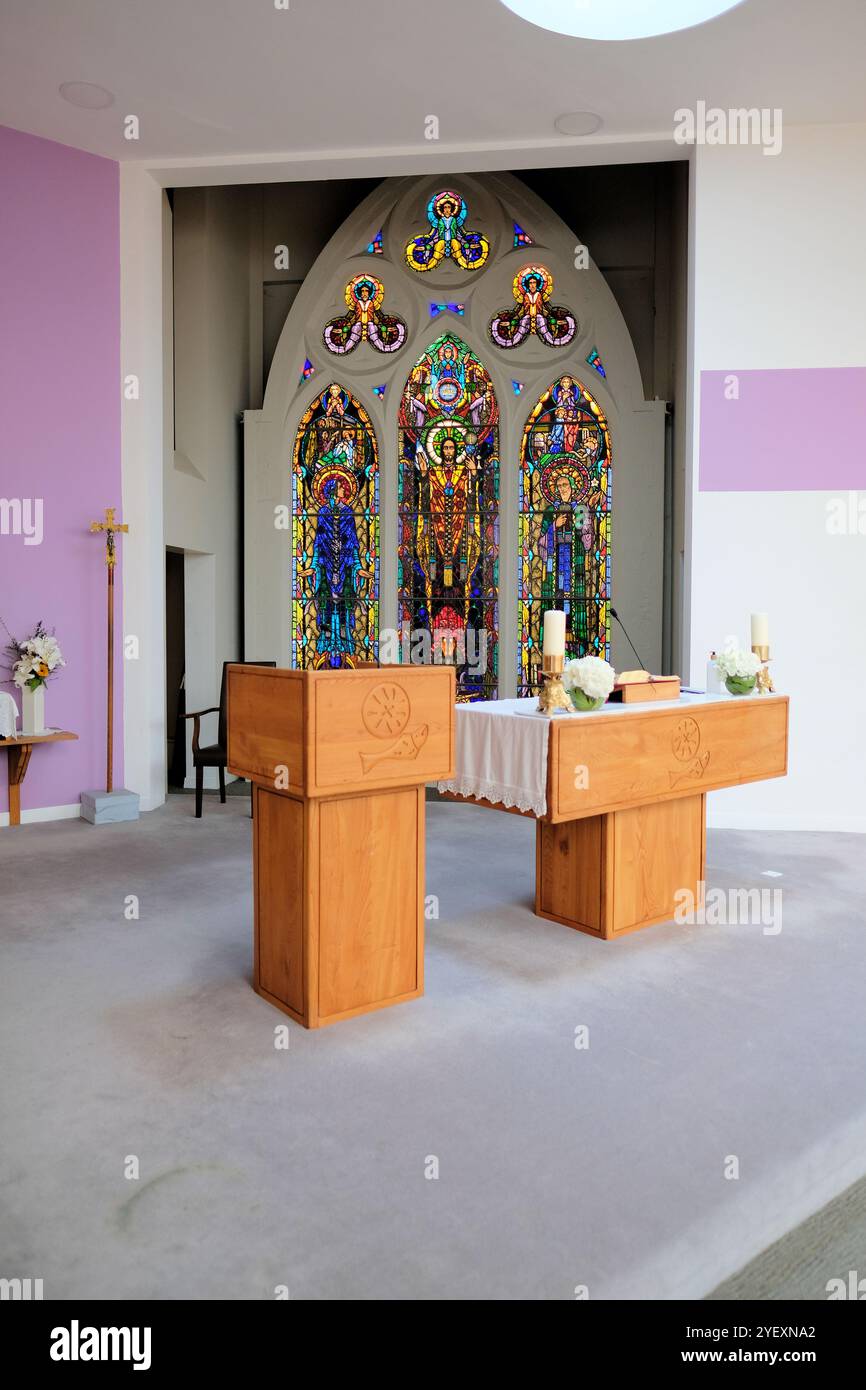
(87,95)
(578,123)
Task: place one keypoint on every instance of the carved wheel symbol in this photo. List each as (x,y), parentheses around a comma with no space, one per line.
(385,711)
(686,740)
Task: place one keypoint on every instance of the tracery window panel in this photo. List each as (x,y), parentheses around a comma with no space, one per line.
(335,534)
(564,526)
(448,516)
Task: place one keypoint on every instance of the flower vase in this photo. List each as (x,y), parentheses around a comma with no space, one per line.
(583,702)
(33,710)
(740,685)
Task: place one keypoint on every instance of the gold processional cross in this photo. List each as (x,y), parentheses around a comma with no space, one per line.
(110,527)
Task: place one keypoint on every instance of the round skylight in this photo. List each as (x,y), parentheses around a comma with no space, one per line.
(619,19)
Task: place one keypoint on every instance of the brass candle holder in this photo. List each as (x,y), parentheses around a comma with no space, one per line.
(553,695)
(764,681)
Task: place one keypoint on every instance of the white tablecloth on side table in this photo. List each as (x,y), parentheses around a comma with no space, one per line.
(501,754)
(8,715)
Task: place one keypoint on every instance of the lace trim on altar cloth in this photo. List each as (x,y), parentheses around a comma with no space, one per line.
(517,797)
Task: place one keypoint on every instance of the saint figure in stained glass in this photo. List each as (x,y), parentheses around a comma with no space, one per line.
(448,498)
(335,534)
(564,526)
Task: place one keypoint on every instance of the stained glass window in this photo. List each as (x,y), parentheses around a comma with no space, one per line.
(595,361)
(335,534)
(532,312)
(437,309)
(564,526)
(365,320)
(447,237)
(448,515)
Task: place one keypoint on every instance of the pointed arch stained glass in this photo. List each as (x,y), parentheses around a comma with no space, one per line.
(448,515)
(564,526)
(335,534)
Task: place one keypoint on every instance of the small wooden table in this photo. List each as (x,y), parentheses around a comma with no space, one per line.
(19,749)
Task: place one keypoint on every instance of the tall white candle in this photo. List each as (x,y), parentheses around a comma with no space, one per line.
(554,633)
(760,630)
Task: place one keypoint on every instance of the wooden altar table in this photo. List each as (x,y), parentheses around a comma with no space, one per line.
(622,824)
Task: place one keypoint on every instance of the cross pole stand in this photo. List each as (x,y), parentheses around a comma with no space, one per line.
(110,527)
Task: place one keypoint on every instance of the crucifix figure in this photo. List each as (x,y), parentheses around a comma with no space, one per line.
(110,527)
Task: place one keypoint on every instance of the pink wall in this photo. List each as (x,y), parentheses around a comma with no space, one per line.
(754,437)
(60,400)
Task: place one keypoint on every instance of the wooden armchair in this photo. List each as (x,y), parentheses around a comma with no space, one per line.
(213,754)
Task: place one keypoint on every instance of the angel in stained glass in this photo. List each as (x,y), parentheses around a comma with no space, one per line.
(533,312)
(447,238)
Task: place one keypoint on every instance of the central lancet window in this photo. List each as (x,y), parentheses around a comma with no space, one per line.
(448,516)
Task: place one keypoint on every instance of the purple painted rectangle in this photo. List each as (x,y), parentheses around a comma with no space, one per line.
(60,401)
(785,430)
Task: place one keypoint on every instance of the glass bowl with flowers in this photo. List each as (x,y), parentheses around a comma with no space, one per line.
(738,666)
(588,680)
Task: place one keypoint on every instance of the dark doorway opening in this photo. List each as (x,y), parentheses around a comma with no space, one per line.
(175,654)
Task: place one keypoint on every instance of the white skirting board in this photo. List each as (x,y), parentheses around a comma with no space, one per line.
(40,813)
(730,820)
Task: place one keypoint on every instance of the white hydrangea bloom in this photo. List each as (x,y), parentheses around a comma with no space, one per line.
(591,674)
(739,663)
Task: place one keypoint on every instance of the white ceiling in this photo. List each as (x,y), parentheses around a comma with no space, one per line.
(339,81)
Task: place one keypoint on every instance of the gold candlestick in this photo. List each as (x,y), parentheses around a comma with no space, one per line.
(110,528)
(553,695)
(764,682)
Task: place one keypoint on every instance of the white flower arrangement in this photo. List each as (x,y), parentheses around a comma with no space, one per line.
(736,662)
(591,674)
(35,659)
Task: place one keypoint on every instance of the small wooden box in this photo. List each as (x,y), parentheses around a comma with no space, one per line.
(639,692)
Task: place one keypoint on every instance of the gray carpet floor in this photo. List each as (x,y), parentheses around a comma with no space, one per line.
(559,1168)
(807,1263)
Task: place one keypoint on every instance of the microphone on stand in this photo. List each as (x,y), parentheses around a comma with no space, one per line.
(614,614)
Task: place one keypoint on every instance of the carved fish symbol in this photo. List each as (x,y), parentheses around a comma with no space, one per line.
(697,769)
(408,746)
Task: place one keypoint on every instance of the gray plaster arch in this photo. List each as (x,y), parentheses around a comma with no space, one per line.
(495,202)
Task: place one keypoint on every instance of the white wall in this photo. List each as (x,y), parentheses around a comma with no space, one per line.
(142,212)
(779,282)
(211,388)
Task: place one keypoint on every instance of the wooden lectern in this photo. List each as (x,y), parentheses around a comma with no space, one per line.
(339,760)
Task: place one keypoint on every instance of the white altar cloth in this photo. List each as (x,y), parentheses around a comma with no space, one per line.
(500,753)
